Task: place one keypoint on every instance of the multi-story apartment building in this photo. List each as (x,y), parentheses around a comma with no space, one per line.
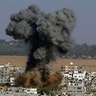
(78,80)
(76,87)
(72,71)
(4,73)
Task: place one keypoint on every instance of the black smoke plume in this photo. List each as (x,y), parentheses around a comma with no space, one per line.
(48,34)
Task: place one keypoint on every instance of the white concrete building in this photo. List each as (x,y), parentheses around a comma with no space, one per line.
(67,74)
(31,90)
(12,79)
(17,69)
(78,75)
(76,87)
(72,71)
(4,73)
(93,74)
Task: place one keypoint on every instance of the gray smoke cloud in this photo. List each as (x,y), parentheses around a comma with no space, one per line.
(48,34)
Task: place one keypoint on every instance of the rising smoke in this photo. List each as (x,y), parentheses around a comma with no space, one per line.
(33,79)
(48,34)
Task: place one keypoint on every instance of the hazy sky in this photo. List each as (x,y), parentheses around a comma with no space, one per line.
(85,10)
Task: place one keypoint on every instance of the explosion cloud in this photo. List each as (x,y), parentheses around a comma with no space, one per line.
(32,79)
(48,34)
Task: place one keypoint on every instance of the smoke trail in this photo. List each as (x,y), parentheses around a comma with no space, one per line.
(48,34)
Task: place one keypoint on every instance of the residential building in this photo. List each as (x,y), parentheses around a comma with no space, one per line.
(76,87)
(79,75)
(4,73)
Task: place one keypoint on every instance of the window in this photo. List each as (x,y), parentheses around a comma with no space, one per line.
(79,88)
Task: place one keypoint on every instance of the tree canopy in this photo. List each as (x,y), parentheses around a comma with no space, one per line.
(19,48)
